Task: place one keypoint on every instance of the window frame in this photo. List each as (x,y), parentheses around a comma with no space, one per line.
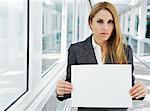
(27,56)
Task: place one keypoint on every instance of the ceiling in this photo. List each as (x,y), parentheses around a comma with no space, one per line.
(121,5)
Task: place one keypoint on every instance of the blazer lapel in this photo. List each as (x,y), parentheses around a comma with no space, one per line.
(90,54)
(89,51)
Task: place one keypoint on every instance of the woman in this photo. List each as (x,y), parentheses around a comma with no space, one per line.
(104,46)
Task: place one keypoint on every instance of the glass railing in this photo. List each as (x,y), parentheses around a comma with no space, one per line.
(140,47)
(54,104)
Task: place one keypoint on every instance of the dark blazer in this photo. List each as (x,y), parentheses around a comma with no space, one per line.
(83,53)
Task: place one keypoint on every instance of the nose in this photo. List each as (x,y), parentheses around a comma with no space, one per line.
(105,26)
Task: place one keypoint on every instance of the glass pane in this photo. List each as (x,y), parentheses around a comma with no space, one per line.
(134,45)
(145,53)
(129,23)
(136,24)
(69,22)
(148,20)
(126,39)
(13,51)
(51,33)
(148,27)
(146,49)
(54,104)
(78,21)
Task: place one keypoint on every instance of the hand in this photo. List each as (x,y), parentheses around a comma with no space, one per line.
(63,87)
(138,90)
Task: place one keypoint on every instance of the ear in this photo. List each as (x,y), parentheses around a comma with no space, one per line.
(90,25)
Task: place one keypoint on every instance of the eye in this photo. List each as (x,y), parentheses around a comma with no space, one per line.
(111,21)
(100,21)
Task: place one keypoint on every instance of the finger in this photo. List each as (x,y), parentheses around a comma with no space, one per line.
(141,95)
(137,89)
(64,86)
(62,91)
(64,82)
(135,86)
(65,90)
(138,93)
(59,92)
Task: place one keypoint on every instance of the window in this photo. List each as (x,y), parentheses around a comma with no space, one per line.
(148,20)
(51,33)
(13,51)
(123,23)
(146,49)
(136,24)
(148,27)
(134,45)
(69,22)
(129,23)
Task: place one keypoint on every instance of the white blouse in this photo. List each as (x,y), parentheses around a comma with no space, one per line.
(97,50)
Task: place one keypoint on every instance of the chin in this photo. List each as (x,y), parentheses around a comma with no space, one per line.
(105,39)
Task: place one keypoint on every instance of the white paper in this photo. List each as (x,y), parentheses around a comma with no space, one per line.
(101,85)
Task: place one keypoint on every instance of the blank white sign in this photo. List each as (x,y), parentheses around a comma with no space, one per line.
(101,85)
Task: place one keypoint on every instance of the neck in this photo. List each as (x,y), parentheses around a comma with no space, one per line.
(100,42)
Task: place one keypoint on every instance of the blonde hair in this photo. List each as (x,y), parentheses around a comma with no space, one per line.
(115,46)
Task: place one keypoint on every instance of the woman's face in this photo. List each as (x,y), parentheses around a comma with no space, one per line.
(102,25)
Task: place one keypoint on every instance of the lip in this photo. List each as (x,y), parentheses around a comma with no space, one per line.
(104,33)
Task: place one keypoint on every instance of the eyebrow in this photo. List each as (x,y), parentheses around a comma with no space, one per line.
(103,20)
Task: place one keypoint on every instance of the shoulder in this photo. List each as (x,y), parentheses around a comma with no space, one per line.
(129,53)
(81,45)
(128,49)
(76,45)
